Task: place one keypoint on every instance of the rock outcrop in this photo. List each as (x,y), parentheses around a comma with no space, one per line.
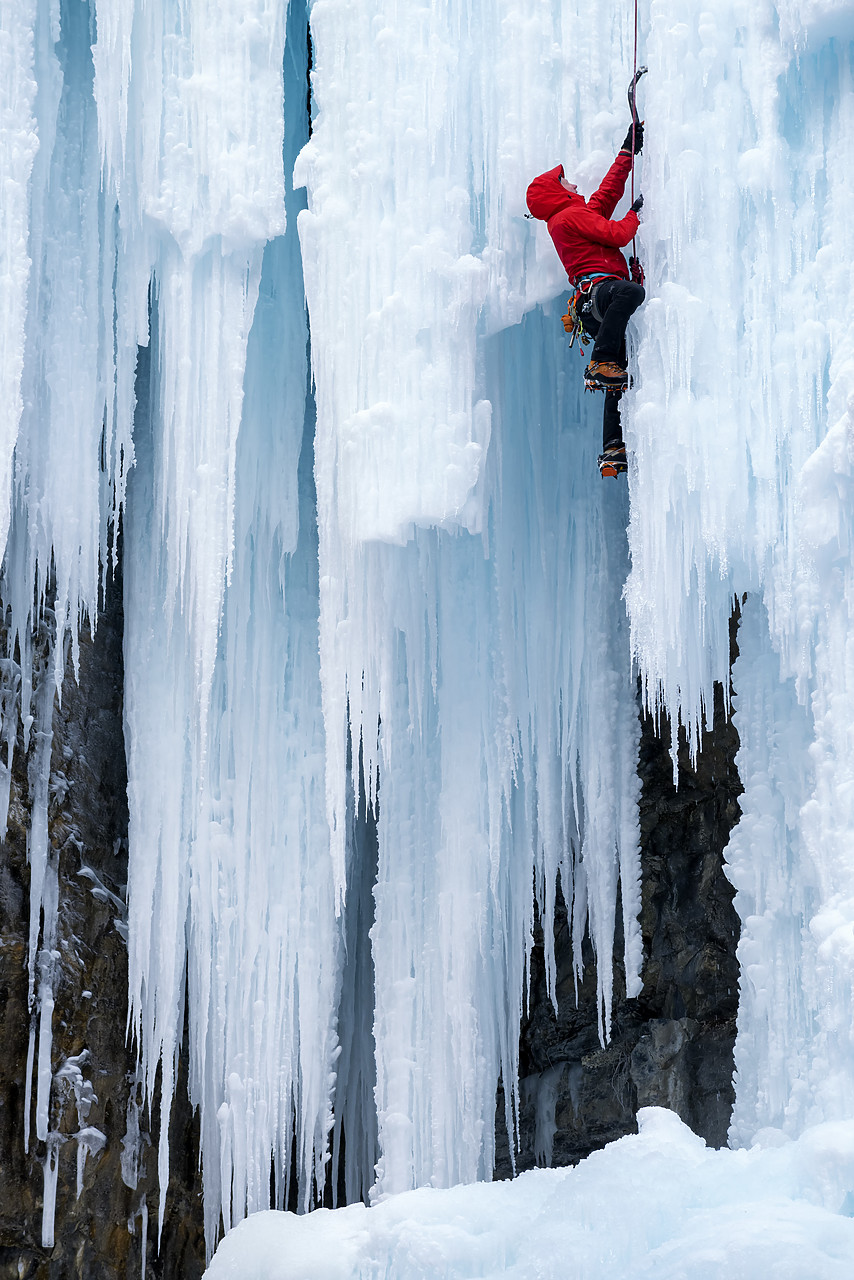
(672,1046)
(99,1133)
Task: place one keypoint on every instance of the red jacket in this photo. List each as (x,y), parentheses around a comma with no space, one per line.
(584,235)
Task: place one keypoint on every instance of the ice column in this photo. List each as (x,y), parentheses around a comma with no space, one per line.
(741,431)
(18,145)
(229,884)
(733,342)
(470,614)
(263,952)
(769,864)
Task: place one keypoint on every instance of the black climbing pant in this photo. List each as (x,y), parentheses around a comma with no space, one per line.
(615,301)
(612,427)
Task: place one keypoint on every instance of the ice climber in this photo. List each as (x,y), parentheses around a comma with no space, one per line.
(588,243)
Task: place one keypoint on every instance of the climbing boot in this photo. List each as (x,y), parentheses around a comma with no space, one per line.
(605,375)
(613,461)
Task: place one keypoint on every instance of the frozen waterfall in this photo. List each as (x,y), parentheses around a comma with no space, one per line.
(307,356)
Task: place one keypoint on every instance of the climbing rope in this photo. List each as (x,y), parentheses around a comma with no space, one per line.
(633,107)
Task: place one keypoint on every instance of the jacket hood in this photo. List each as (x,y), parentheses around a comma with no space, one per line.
(546,196)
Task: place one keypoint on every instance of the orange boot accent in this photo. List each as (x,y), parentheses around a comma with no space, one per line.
(606,375)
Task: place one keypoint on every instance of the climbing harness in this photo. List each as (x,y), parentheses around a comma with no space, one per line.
(582,307)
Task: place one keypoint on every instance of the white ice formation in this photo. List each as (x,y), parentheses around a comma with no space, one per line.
(455,608)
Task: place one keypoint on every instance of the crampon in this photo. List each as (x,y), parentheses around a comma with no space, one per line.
(613,461)
(605,375)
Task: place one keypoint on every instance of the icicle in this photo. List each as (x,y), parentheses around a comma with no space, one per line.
(89,1142)
(50,1166)
(44,1075)
(774,904)
(143,1213)
(131,1143)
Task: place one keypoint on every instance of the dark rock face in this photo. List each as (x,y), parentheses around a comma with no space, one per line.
(673,1045)
(99,1231)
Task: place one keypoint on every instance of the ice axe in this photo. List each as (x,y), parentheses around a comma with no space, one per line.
(641,71)
(635,268)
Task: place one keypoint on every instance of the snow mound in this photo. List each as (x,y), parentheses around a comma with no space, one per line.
(657,1203)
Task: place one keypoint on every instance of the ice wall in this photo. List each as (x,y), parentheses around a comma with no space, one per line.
(451,612)
(230,891)
(741,431)
(157,182)
(455,524)
(471,571)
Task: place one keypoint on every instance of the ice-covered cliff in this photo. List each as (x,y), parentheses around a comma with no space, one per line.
(400,563)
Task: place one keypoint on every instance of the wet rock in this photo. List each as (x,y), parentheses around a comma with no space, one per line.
(101,1139)
(673,1045)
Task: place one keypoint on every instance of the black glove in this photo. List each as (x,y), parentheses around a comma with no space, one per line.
(627,145)
(638,205)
